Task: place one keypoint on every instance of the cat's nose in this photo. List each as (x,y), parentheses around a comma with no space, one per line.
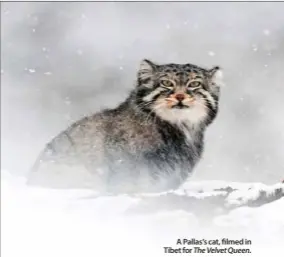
(180,97)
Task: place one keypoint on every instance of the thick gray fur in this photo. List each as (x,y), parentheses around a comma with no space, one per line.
(140,145)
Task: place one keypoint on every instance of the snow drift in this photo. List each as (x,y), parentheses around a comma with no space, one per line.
(48,222)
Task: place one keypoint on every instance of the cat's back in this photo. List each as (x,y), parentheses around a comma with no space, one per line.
(84,149)
(90,137)
(66,160)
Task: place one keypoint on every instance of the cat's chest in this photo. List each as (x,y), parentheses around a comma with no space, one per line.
(174,145)
(184,143)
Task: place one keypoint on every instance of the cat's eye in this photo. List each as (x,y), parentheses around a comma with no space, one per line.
(194,85)
(167,84)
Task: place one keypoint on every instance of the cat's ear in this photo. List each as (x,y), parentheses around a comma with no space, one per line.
(146,70)
(216,75)
(214,71)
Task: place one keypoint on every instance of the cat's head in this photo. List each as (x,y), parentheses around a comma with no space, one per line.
(179,93)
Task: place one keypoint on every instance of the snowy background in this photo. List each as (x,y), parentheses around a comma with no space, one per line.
(61,61)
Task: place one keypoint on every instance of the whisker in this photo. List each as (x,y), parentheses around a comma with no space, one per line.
(144,104)
(204,105)
(170,99)
(148,116)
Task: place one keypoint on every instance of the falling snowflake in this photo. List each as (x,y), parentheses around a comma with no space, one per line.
(266,32)
(67,101)
(254,48)
(211,53)
(32,70)
(48,73)
(247,169)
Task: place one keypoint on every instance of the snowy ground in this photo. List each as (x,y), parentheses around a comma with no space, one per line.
(39,222)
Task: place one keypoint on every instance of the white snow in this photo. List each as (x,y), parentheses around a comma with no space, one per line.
(266,32)
(211,53)
(47,222)
(254,48)
(32,70)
